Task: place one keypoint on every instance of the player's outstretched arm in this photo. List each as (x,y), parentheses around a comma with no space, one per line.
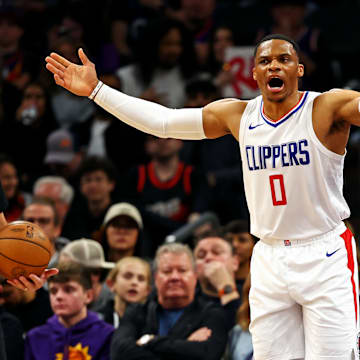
(146,116)
(79,79)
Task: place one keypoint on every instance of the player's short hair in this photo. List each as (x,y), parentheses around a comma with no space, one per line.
(70,271)
(278,37)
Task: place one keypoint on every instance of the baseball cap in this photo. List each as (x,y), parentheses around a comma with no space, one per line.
(60,147)
(87,252)
(126,209)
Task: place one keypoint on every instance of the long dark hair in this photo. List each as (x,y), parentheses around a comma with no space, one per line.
(146,51)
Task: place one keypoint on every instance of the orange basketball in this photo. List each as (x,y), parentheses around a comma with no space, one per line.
(24,249)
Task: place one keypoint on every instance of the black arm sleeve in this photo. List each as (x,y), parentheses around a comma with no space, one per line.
(3,200)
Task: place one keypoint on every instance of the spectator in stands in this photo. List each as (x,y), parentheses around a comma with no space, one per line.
(240,342)
(105,136)
(9,179)
(122,232)
(42,211)
(237,233)
(97,178)
(57,189)
(215,267)
(168,191)
(217,158)
(19,66)
(164,61)
(34,121)
(12,332)
(89,253)
(130,281)
(62,158)
(176,325)
(31,307)
(73,332)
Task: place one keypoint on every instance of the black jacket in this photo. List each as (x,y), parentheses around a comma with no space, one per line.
(142,319)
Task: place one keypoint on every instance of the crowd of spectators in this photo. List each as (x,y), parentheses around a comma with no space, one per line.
(108,195)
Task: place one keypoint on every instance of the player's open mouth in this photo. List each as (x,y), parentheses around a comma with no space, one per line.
(132,292)
(275,84)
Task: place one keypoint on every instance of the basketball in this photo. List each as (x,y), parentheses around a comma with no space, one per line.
(24,250)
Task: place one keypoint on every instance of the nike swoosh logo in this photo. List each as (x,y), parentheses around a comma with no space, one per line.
(330,254)
(251,127)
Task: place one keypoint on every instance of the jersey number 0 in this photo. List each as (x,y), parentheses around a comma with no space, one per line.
(277,190)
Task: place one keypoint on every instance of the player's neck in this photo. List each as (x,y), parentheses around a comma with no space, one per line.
(276,110)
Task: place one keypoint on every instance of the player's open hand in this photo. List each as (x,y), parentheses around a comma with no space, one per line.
(79,79)
(33,282)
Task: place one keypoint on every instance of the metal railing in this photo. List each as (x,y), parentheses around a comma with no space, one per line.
(187,230)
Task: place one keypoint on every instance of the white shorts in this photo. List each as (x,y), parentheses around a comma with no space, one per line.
(304,298)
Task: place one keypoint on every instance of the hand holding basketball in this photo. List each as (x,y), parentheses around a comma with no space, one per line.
(24,250)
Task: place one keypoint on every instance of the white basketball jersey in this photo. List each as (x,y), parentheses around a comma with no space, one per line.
(293,183)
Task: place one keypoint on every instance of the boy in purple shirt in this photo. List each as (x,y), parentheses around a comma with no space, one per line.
(73,332)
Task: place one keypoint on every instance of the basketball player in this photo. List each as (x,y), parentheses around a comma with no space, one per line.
(304,295)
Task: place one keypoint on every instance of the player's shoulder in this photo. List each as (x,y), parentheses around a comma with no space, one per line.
(335,96)
(228,105)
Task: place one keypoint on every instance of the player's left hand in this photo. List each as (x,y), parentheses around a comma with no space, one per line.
(33,282)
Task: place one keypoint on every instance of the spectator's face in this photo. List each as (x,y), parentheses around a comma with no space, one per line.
(96,186)
(198,9)
(243,245)
(170,48)
(175,280)
(10,33)
(9,179)
(288,15)
(222,40)
(43,215)
(132,282)
(53,191)
(163,148)
(214,249)
(69,299)
(122,233)
(34,96)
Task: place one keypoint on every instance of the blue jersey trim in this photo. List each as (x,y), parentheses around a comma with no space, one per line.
(286,116)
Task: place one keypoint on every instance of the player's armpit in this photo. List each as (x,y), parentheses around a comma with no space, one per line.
(345,105)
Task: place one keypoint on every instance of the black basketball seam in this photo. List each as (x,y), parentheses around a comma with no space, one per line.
(8,238)
(21,263)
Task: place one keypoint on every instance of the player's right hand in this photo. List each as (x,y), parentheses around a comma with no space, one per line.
(79,79)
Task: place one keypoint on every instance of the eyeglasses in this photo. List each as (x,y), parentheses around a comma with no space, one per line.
(40,220)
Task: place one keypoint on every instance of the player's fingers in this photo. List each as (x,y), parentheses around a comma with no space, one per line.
(16,283)
(55,64)
(84,59)
(49,272)
(60,59)
(58,80)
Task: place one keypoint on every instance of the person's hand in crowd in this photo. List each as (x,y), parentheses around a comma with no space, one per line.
(218,275)
(79,79)
(33,282)
(201,334)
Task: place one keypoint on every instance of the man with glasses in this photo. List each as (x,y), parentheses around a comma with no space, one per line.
(42,211)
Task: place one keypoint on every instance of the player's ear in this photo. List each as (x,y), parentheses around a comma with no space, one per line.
(300,70)
(254,73)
